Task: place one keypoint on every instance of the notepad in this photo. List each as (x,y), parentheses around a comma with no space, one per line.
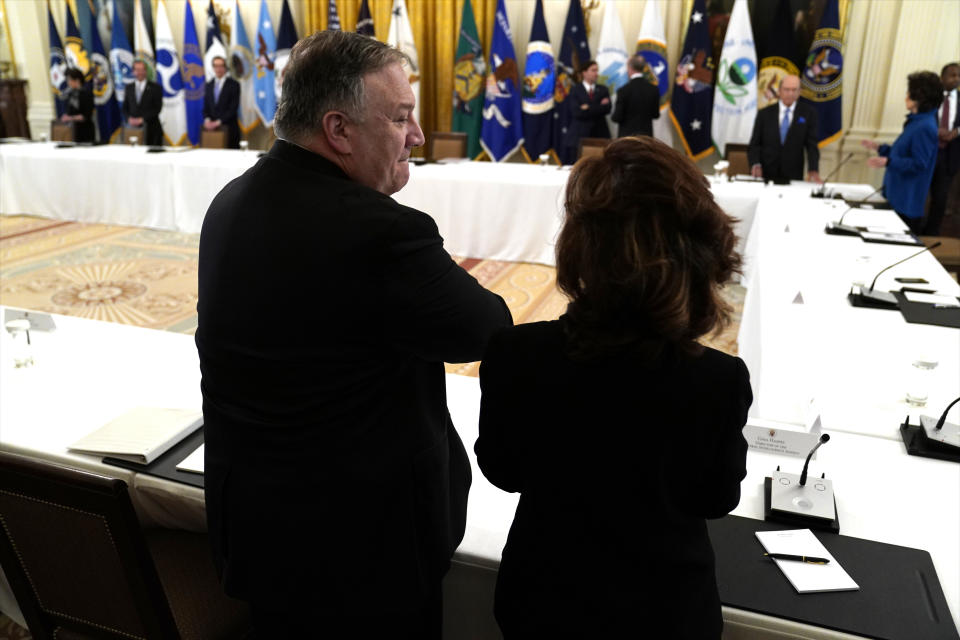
(806,577)
(193,462)
(932,298)
(141,435)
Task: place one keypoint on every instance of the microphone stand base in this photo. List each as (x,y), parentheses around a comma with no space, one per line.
(860,297)
(918,444)
(795,519)
(835,229)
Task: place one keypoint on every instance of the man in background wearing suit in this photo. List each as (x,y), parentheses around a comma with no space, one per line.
(336,483)
(142,101)
(638,103)
(948,153)
(590,103)
(781,132)
(221,98)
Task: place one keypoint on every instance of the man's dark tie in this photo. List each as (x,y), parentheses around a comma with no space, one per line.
(591,93)
(945,117)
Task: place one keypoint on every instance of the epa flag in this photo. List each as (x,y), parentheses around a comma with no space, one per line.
(692,102)
(263,76)
(469,75)
(193,76)
(821,84)
(286,38)
(574,51)
(501,134)
(58,65)
(539,82)
(735,99)
(109,119)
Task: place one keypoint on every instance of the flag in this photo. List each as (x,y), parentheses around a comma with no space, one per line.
(692,103)
(286,38)
(191,68)
(776,56)
(539,82)
(574,51)
(142,49)
(469,74)
(365,21)
(612,54)
(242,68)
(821,84)
(109,119)
(214,43)
(501,133)
(263,77)
(652,45)
(333,18)
(58,65)
(121,57)
(173,115)
(74,50)
(735,96)
(400,36)
(84,21)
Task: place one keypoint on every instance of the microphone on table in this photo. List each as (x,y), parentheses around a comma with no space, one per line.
(838,229)
(803,474)
(822,191)
(943,418)
(882,299)
(933,440)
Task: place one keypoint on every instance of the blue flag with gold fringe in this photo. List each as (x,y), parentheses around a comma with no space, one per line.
(821,84)
(109,119)
(539,82)
(191,64)
(691,108)
(501,133)
(574,51)
(58,66)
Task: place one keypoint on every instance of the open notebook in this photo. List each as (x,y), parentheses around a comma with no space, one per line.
(806,578)
(141,435)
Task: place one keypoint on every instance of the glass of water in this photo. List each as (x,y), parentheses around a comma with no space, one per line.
(20,348)
(244,145)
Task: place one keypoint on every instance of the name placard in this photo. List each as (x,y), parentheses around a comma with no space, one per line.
(779,437)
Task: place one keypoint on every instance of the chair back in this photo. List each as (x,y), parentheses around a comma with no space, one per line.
(128,132)
(61,131)
(76,559)
(592,146)
(214,139)
(446,144)
(737,157)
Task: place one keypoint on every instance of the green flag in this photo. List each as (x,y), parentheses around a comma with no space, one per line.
(469,72)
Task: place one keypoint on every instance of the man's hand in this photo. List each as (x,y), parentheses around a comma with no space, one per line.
(870,144)
(877,162)
(946,135)
(756,171)
(605,101)
(584,107)
(135,122)
(814,176)
(65,118)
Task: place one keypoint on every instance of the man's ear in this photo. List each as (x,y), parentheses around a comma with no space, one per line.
(335,130)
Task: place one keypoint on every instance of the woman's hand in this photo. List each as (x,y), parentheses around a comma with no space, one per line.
(877,162)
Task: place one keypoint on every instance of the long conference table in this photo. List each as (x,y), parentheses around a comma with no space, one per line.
(804,345)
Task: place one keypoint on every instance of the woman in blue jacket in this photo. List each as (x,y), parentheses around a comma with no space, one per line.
(911,158)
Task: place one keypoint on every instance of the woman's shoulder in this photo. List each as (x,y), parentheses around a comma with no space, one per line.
(528,335)
(712,363)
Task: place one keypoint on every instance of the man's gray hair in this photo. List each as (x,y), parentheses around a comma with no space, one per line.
(325,73)
(637,63)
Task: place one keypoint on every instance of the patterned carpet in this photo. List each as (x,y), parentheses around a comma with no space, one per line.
(149,278)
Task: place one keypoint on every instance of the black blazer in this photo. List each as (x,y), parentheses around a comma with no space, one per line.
(784,161)
(151,102)
(950,155)
(334,475)
(638,104)
(80,102)
(224,109)
(617,463)
(590,122)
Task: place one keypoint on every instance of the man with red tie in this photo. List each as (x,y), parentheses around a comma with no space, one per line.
(221,98)
(948,153)
(590,103)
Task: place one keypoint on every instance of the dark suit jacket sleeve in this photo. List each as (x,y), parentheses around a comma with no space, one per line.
(128,97)
(813,151)
(86,105)
(603,92)
(621,104)
(152,101)
(230,101)
(500,448)
(442,312)
(593,110)
(208,101)
(654,101)
(721,455)
(756,140)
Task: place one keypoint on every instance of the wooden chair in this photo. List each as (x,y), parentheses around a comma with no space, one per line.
(81,567)
(592,146)
(736,155)
(127,132)
(446,144)
(948,253)
(215,139)
(61,131)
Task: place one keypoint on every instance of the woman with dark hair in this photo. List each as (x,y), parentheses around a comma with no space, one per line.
(79,102)
(912,157)
(618,429)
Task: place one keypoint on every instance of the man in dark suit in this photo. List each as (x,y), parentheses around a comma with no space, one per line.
(221,98)
(336,483)
(142,101)
(948,153)
(590,104)
(638,103)
(781,133)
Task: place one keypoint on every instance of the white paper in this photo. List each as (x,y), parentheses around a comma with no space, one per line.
(806,577)
(932,298)
(142,434)
(904,238)
(193,462)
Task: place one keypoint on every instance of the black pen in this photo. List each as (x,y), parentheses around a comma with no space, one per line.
(807,559)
